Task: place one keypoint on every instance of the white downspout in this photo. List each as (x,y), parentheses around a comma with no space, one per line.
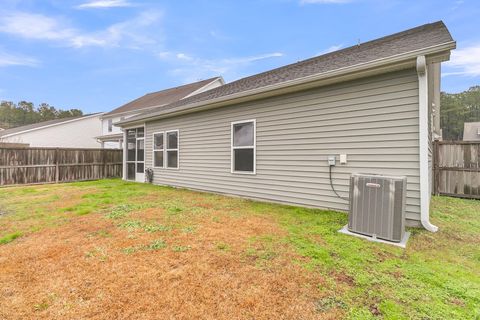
(423,142)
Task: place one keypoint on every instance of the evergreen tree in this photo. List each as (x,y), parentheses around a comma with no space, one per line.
(458,108)
(24,112)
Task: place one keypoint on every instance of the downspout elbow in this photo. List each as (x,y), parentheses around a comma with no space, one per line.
(428,225)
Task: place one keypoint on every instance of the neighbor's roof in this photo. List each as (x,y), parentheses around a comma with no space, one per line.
(162,97)
(39,125)
(419,38)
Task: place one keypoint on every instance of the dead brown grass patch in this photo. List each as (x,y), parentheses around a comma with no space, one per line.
(83,269)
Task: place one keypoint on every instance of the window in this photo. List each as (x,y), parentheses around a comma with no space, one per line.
(243,147)
(172,149)
(158,149)
(110,125)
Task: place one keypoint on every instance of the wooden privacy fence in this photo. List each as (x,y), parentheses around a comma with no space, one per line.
(53,165)
(456,169)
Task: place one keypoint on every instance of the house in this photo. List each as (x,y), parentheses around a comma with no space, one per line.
(471,131)
(269,136)
(112,137)
(73,132)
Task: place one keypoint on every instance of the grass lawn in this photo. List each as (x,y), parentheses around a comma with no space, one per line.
(115,250)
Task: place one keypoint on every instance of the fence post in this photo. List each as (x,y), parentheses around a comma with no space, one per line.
(57,173)
(104,170)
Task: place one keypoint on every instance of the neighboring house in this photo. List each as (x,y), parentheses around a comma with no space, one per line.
(268,136)
(75,132)
(112,137)
(471,131)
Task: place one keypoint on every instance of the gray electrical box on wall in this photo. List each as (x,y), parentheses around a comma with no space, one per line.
(331,160)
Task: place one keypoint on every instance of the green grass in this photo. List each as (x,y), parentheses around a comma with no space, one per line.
(131,225)
(155,227)
(436,277)
(97,252)
(10,237)
(178,248)
(119,211)
(222,246)
(153,246)
(33,208)
(157,245)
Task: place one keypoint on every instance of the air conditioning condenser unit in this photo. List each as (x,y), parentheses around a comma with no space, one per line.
(377,206)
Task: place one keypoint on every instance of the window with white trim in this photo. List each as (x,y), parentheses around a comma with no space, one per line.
(172,149)
(244,146)
(158,149)
(110,125)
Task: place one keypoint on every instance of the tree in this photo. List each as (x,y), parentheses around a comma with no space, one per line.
(24,112)
(69,113)
(458,108)
(47,112)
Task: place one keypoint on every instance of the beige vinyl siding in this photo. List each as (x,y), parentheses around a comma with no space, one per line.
(374,121)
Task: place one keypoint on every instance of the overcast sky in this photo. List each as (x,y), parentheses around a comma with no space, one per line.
(97,55)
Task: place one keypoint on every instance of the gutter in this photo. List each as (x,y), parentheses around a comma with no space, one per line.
(218,102)
(110,136)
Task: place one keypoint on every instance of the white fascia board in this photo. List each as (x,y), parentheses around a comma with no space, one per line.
(52,125)
(110,136)
(201,89)
(394,62)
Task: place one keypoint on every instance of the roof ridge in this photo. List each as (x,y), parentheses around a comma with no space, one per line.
(161,97)
(343,50)
(182,86)
(425,36)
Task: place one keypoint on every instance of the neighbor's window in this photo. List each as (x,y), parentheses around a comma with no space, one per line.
(243,147)
(110,125)
(172,149)
(158,149)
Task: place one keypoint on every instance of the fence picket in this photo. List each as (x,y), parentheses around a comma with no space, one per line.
(457,168)
(54,165)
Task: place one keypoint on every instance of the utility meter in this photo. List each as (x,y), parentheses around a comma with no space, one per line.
(331,160)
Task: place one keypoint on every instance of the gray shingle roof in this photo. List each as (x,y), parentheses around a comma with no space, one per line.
(162,97)
(418,38)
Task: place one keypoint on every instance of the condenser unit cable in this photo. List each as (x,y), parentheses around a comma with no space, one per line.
(331,185)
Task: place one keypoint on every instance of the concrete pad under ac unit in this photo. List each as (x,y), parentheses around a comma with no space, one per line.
(401,244)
